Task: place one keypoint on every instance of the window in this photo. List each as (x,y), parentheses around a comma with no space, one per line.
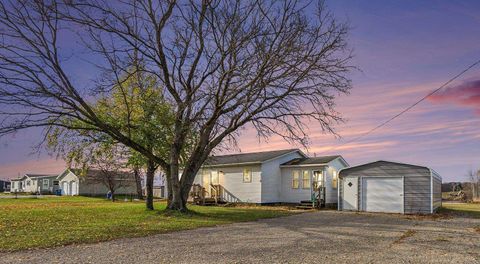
(295,179)
(28,183)
(45,184)
(306,180)
(334,179)
(247,175)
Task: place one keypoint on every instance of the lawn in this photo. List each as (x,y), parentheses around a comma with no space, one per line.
(463,209)
(47,222)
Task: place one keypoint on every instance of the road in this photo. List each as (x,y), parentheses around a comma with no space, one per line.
(315,237)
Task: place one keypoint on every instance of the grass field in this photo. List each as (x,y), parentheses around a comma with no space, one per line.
(46,222)
(462,209)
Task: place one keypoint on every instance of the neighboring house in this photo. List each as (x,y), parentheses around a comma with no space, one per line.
(281,176)
(35,183)
(4,186)
(90,183)
(390,187)
(159,189)
(73,182)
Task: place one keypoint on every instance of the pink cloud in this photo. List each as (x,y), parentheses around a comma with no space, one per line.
(466,94)
(47,166)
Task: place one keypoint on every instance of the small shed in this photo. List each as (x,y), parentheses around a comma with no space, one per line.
(389,187)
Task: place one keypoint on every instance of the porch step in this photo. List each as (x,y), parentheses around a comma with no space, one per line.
(304,207)
(306,203)
(209,201)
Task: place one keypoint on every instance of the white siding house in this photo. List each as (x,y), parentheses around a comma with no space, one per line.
(90,183)
(35,183)
(267,177)
(72,182)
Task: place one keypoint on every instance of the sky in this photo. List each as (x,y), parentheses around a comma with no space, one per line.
(404,50)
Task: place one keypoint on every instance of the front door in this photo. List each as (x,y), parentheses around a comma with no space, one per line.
(350,193)
(65,188)
(206,182)
(214,179)
(74,188)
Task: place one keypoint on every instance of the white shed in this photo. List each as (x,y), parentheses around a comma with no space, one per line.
(389,187)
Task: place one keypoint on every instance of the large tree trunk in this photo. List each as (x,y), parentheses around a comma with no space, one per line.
(169,186)
(150,175)
(177,203)
(138,182)
(181,187)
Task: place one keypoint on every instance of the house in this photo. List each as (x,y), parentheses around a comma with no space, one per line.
(281,176)
(4,186)
(390,187)
(93,182)
(35,183)
(74,182)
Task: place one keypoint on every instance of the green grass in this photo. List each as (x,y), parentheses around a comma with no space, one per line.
(47,222)
(465,209)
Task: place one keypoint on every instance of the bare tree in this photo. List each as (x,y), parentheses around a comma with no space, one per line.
(109,168)
(223,65)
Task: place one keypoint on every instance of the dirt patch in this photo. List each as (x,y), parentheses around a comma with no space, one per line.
(405,235)
(355,238)
(430,217)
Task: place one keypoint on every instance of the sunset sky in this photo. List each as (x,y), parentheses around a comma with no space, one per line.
(404,50)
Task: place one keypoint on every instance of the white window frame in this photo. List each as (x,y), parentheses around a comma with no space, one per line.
(307,173)
(247,175)
(47,183)
(297,180)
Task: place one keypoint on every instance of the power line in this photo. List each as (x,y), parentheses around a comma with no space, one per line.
(406,109)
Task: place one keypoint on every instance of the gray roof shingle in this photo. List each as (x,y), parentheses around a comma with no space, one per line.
(253,157)
(36,176)
(311,161)
(94,174)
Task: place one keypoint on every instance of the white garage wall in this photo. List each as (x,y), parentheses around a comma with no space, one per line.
(417,182)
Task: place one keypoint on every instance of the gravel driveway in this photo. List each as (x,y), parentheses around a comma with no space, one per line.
(322,237)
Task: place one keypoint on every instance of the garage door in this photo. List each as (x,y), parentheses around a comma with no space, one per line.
(382,194)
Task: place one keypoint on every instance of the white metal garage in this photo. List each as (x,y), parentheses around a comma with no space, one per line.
(389,187)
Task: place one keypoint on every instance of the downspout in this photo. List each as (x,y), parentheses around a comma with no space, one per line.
(340,183)
(431,191)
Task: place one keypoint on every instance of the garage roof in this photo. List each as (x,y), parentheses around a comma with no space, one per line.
(384,162)
(382,166)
